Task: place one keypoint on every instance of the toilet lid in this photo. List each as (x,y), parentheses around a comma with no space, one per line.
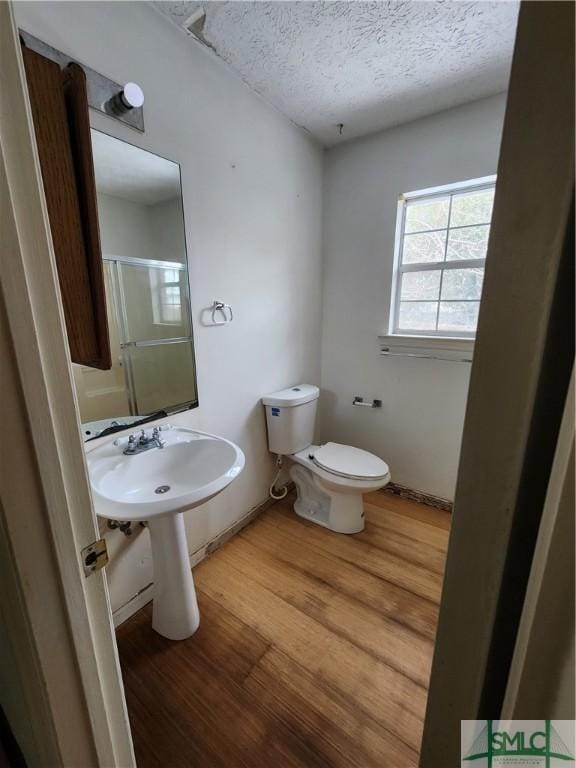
(350,462)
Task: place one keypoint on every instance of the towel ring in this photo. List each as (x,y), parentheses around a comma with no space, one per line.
(220,309)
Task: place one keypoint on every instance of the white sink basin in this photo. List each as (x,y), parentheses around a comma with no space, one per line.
(158,485)
(191,468)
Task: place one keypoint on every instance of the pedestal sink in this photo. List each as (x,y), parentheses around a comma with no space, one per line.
(157,485)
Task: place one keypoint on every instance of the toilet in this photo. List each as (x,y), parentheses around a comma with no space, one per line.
(331,478)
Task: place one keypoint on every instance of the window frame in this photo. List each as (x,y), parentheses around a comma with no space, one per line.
(395,332)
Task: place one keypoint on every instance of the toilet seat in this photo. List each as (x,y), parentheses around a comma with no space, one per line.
(353,463)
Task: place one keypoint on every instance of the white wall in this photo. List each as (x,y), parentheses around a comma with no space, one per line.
(125,228)
(141,231)
(252,186)
(168,229)
(419,429)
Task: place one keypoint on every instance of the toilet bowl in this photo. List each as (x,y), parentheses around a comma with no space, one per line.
(330,478)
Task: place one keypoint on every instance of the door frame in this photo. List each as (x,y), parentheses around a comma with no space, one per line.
(66,653)
(524,354)
(542,672)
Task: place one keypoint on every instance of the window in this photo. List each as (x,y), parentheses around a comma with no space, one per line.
(170,299)
(166,294)
(441,242)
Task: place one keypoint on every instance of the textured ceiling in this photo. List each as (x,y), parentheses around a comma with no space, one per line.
(368,65)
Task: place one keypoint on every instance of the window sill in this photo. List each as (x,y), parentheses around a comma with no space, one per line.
(459,350)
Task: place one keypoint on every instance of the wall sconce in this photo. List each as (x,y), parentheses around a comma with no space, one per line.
(130,97)
(122,102)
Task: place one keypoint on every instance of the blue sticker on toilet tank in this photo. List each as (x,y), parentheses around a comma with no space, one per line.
(275,411)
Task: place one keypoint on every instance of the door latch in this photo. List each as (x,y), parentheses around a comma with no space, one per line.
(94,556)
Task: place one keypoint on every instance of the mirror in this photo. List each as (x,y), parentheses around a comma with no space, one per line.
(142,234)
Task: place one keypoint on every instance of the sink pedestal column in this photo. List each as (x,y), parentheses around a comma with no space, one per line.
(175,612)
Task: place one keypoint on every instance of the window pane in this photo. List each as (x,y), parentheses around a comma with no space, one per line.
(458,315)
(429,214)
(468,243)
(421,285)
(422,249)
(462,283)
(417,315)
(472,208)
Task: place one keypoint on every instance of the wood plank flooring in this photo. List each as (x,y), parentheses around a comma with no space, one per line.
(314,648)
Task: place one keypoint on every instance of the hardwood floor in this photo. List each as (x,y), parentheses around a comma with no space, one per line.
(314,648)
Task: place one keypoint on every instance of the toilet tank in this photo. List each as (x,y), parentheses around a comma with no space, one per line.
(290,417)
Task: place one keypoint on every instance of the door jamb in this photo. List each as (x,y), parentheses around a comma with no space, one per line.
(36,326)
(520,376)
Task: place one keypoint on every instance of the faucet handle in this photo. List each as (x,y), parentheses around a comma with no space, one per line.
(130,445)
(156,437)
(121,440)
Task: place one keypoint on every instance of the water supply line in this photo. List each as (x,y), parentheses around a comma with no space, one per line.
(273,492)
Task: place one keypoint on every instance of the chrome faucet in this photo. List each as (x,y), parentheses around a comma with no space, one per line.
(144,442)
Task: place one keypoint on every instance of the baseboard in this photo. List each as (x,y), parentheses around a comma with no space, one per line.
(145,595)
(226,535)
(133,605)
(423,498)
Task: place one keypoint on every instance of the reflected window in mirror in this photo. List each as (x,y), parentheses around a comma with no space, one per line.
(142,232)
(166,297)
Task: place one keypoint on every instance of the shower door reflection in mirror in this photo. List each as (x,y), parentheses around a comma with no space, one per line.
(147,292)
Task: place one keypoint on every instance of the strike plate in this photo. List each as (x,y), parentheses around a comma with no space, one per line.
(94,557)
